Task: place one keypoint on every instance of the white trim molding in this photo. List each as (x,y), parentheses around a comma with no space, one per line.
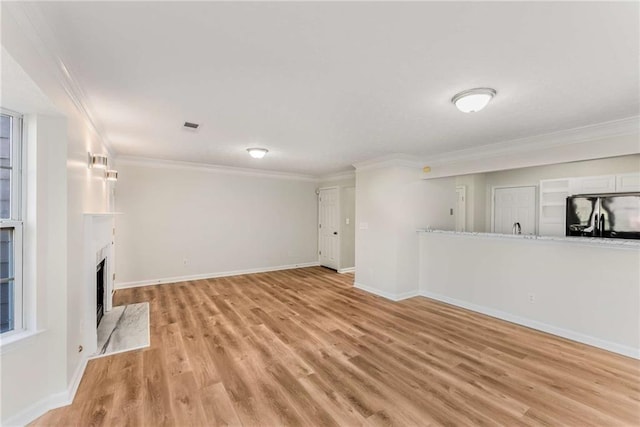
(174,164)
(347,270)
(338,176)
(384,294)
(178,279)
(390,161)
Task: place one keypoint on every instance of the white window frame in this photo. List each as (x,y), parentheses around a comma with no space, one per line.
(16,220)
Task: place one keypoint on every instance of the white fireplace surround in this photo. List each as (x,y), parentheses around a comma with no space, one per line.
(98,244)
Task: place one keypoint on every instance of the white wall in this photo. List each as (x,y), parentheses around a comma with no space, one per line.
(586,293)
(46,367)
(220,222)
(391,204)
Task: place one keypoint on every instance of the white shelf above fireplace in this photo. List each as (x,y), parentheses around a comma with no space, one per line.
(102,213)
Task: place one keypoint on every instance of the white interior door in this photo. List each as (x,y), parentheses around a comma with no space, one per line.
(514,204)
(461,208)
(328,228)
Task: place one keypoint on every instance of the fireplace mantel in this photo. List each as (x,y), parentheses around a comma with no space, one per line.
(102,213)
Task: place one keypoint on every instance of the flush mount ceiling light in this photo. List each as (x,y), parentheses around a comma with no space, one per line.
(111,175)
(97,161)
(473,100)
(257,153)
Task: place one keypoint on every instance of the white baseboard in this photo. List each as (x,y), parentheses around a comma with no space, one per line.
(50,402)
(347,270)
(407,295)
(387,295)
(177,279)
(534,324)
(75,380)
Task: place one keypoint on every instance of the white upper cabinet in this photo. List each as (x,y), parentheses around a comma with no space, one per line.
(593,184)
(628,182)
(553,196)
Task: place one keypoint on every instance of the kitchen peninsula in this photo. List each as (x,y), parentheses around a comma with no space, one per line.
(584,289)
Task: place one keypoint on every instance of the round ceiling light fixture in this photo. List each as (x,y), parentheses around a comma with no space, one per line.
(257,153)
(473,100)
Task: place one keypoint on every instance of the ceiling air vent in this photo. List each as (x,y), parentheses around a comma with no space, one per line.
(190,125)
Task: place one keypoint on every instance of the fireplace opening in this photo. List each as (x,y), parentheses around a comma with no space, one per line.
(100,276)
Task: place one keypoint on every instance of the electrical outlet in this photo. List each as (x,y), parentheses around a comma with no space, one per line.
(531,298)
(185,261)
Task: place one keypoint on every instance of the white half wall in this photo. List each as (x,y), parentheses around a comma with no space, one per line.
(180,222)
(586,293)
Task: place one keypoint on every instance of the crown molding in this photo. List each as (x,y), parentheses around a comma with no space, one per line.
(39,33)
(389,161)
(338,176)
(622,127)
(205,167)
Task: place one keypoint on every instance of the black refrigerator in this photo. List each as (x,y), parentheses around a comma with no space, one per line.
(614,215)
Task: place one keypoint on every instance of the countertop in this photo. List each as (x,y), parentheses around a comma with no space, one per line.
(590,241)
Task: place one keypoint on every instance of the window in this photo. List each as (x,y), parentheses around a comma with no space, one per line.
(10,222)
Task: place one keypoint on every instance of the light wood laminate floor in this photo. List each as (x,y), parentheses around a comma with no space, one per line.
(303,347)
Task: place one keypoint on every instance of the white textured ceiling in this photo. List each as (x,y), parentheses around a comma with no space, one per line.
(324,85)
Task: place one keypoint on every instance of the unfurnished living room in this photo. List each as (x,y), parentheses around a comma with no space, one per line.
(321,213)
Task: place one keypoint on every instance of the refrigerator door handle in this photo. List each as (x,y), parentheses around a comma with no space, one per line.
(596,224)
(592,229)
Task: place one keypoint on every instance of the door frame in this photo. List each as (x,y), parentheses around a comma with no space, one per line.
(535,207)
(338,256)
(464,211)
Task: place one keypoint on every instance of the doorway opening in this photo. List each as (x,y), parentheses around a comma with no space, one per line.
(329,227)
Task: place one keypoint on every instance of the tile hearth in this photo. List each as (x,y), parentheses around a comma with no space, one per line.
(124,328)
